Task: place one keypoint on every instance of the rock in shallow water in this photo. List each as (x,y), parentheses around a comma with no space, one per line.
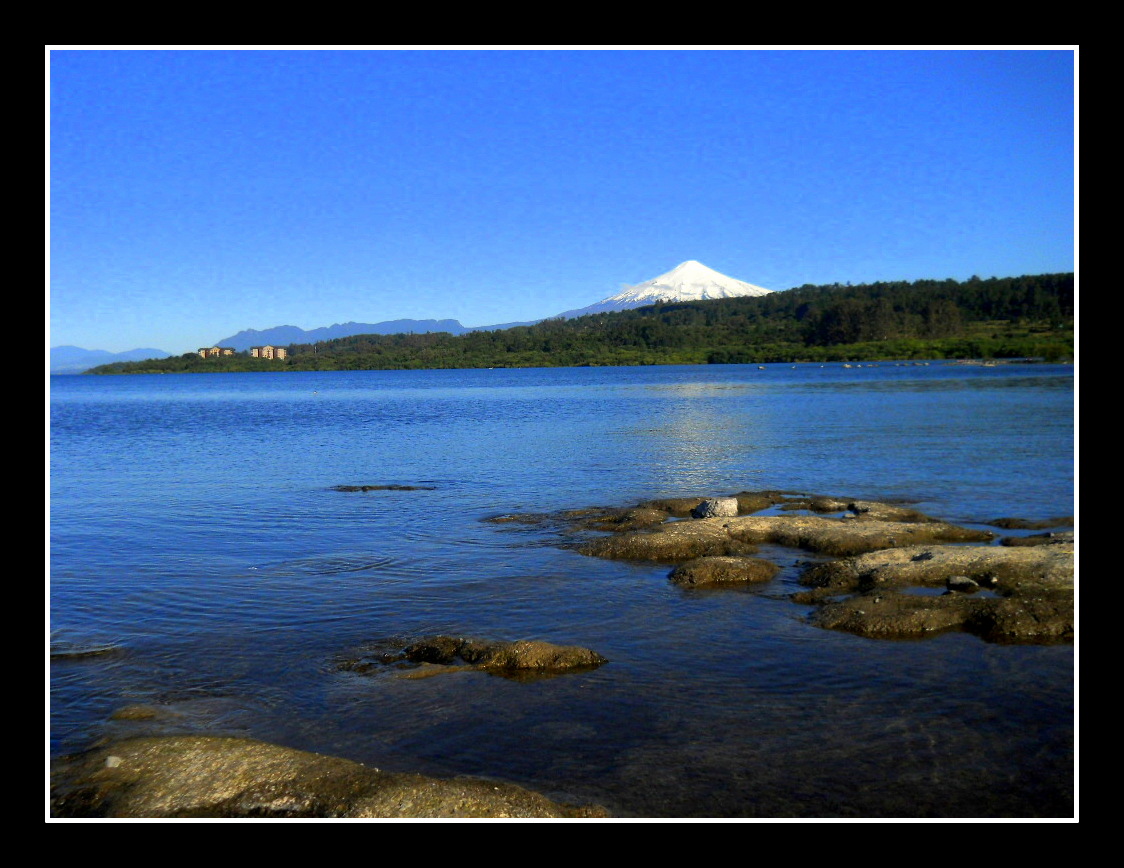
(719,507)
(723,571)
(1031,602)
(209,776)
(457,652)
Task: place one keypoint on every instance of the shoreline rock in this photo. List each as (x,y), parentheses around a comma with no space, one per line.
(221,777)
(895,571)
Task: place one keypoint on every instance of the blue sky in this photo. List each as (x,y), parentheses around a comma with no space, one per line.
(196,193)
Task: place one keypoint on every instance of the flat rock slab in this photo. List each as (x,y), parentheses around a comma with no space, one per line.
(1032,524)
(685,540)
(709,572)
(1007,570)
(208,776)
(842,537)
(1030,600)
(670,543)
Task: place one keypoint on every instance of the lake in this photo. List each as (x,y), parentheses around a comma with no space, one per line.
(195,530)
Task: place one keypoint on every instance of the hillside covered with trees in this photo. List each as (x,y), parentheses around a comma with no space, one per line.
(1017,317)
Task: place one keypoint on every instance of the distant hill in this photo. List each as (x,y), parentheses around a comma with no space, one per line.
(688,281)
(1027,317)
(76,360)
(282,336)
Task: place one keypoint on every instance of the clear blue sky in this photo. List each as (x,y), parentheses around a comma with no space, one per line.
(194,194)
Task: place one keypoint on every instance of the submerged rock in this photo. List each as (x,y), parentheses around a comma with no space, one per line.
(457,652)
(138,712)
(723,571)
(208,776)
(384,488)
(79,650)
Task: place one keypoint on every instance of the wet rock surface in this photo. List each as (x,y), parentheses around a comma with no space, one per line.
(679,541)
(1032,524)
(1029,599)
(707,572)
(1005,569)
(1038,539)
(896,571)
(670,543)
(67,650)
(451,653)
(212,776)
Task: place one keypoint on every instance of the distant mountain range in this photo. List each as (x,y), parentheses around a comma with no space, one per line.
(688,281)
(75,360)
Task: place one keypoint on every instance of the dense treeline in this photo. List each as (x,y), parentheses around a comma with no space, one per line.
(1029,316)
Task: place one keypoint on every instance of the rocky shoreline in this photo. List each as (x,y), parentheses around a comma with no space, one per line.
(893,573)
(882,570)
(216,777)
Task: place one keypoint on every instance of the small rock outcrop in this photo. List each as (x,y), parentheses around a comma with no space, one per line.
(1039,539)
(1032,524)
(718,507)
(216,777)
(885,594)
(457,652)
(680,541)
(705,572)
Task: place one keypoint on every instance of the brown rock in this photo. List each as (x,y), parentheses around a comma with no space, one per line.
(722,571)
(670,543)
(206,776)
(1032,599)
(454,653)
(1028,524)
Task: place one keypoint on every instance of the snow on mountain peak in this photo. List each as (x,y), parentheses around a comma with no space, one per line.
(688,281)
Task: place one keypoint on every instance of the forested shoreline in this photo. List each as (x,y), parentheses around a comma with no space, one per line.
(1031,316)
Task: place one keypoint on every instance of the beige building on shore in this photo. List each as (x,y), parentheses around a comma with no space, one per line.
(268,352)
(215,352)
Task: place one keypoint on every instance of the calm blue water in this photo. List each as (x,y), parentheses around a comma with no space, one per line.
(193,523)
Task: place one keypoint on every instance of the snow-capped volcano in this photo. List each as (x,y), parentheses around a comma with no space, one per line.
(688,281)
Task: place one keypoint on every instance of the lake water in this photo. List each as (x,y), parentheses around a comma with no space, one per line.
(194,526)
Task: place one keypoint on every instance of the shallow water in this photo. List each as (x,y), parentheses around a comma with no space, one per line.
(194,526)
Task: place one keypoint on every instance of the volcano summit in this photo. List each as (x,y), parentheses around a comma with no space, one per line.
(688,281)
